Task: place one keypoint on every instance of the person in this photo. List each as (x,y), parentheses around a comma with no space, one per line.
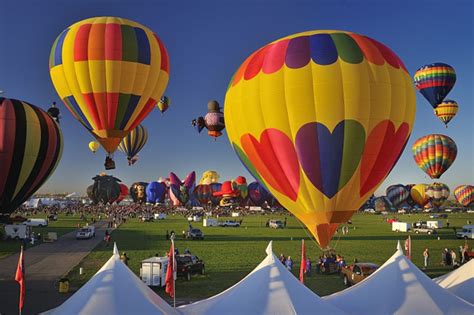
(308,267)
(124,258)
(449,261)
(454,263)
(267,224)
(107,238)
(319,264)
(443,257)
(187,251)
(426,257)
(284,223)
(283,259)
(289,263)
(447,223)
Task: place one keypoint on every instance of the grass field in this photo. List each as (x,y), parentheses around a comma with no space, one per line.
(63,225)
(231,253)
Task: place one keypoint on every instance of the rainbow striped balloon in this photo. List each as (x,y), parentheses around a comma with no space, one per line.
(435,81)
(464,194)
(434,154)
(446,111)
(30,149)
(110,72)
(133,143)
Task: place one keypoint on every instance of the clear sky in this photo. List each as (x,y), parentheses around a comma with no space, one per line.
(207,41)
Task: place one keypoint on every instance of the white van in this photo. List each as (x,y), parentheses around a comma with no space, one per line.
(17,231)
(36,222)
(401,226)
(466,233)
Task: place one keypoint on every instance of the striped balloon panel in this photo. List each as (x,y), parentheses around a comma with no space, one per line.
(437,193)
(134,142)
(30,149)
(435,81)
(464,194)
(110,73)
(434,154)
(446,111)
(397,194)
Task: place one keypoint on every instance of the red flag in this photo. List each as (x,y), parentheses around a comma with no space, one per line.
(170,272)
(408,247)
(303,262)
(20,278)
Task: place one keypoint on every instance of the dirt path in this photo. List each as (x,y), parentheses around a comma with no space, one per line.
(45,265)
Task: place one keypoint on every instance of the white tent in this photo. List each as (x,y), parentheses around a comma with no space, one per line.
(268,289)
(460,281)
(114,289)
(399,287)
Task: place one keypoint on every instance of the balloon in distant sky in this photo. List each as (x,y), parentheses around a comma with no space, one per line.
(446,111)
(133,143)
(110,72)
(320,118)
(464,194)
(434,154)
(435,81)
(164,104)
(397,194)
(437,194)
(214,119)
(199,124)
(418,194)
(94,146)
(31,145)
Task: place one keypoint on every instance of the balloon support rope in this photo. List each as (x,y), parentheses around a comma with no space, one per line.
(311,237)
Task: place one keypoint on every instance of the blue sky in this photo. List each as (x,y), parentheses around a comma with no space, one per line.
(207,41)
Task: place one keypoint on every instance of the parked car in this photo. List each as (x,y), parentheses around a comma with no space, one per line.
(420,224)
(36,222)
(276,224)
(357,272)
(229,223)
(188,265)
(86,233)
(195,234)
(424,229)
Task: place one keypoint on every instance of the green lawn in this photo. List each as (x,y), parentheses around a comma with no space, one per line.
(63,225)
(231,253)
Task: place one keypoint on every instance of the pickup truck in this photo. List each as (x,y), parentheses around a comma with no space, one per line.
(188,265)
(357,272)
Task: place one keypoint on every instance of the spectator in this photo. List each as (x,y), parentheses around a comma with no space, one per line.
(283,259)
(426,258)
(124,258)
(454,262)
(289,263)
(449,261)
(308,267)
(284,223)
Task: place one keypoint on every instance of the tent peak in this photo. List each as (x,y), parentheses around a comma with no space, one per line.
(116,251)
(269,249)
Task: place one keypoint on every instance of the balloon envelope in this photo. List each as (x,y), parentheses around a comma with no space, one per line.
(94,146)
(320,118)
(435,81)
(418,194)
(437,194)
(164,104)
(110,72)
(434,154)
(397,194)
(134,143)
(464,194)
(446,111)
(155,192)
(31,145)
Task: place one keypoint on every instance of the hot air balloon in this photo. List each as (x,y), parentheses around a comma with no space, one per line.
(464,194)
(30,149)
(123,193)
(199,124)
(410,200)
(434,154)
(215,187)
(214,119)
(418,194)
(106,189)
(383,204)
(164,104)
(397,194)
(437,194)
(155,192)
(320,118)
(446,111)
(240,183)
(110,72)
(133,143)
(54,112)
(138,192)
(203,193)
(209,177)
(94,146)
(435,81)
(257,193)
(180,191)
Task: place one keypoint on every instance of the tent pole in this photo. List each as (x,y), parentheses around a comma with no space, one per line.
(174,280)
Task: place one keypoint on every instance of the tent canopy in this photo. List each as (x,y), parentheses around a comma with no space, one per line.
(399,287)
(269,289)
(460,282)
(116,290)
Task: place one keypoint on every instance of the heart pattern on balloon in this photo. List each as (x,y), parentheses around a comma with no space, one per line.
(329,160)
(383,148)
(274,158)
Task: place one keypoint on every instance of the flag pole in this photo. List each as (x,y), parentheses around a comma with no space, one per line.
(174,282)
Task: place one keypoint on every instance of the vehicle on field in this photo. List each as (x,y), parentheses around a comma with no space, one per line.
(188,265)
(438,216)
(147,218)
(17,231)
(229,223)
(159,216)
(36,222)
(85,233)
(276,224)
(420,224)
(195,234)
(53,217)
(401,226)
(467,232)
(425,230)
(369,210)
(357,272)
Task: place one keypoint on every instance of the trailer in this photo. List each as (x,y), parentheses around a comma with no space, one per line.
(401,226)
(17,231)
(434,224)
